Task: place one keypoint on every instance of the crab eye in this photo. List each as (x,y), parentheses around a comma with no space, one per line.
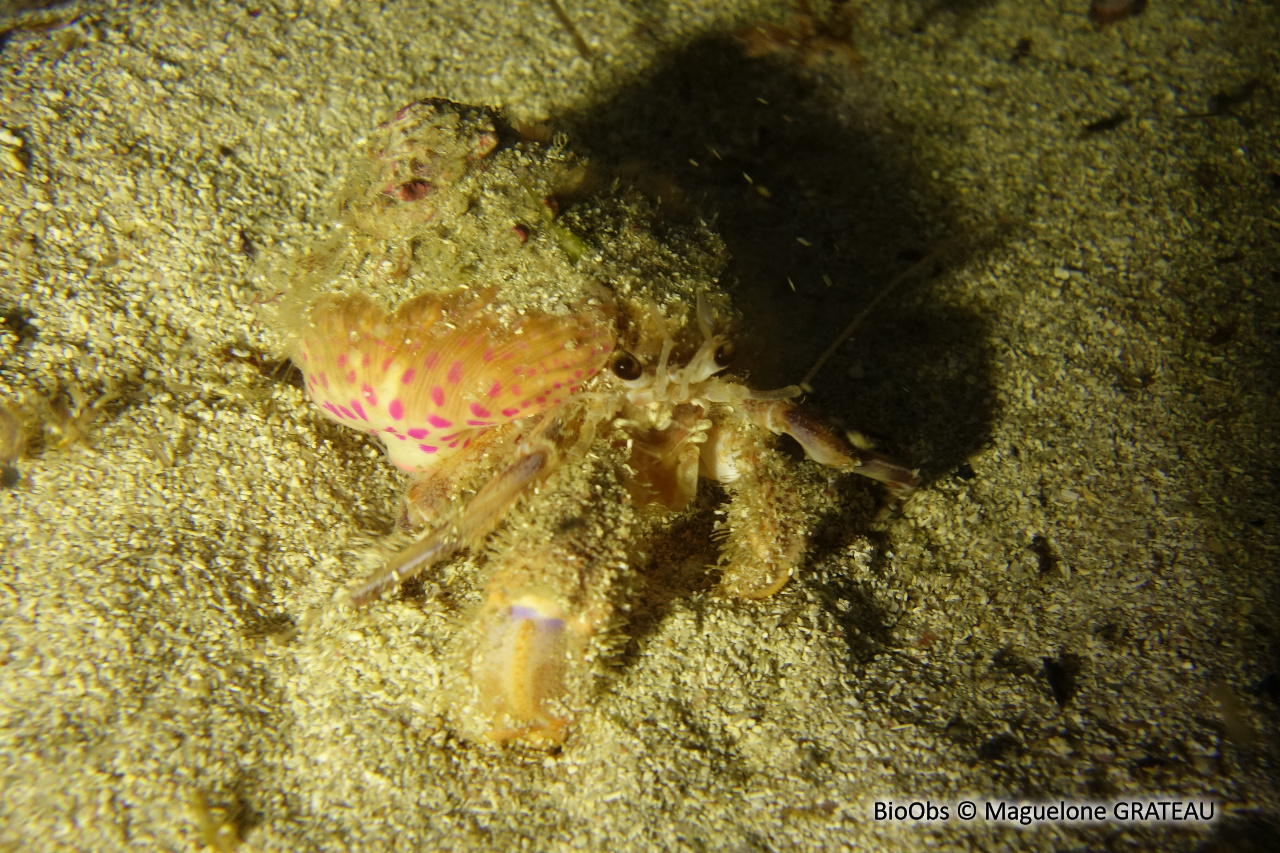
(625,367)
(724,354)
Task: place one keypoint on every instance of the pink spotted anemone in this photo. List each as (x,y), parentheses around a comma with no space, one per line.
(438,371)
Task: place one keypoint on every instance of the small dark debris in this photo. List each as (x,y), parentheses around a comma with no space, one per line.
(1098,783)
(412,589)
(1231,258)
(1273,180)
(1137,379)
(18,322)
(1009,660)
(1021,50)
(1043,549)
(1225,101)
(1110,632)
(1102,125)
(1223,333)
(1103,12)
(959,730)
(1269,686)
(1207,176)
(247,247)
(965,472)
(1234,716)
(810,38)
(278,370)
(1113,729)
(998,747)
(573,522)
(9,476)
(823,809)
(1061,674)
(413,190)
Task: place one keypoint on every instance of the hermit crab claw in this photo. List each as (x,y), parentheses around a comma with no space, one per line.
(825,447)
(898,480)
(518,666)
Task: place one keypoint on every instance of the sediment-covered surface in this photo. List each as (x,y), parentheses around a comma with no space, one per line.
(1079,604)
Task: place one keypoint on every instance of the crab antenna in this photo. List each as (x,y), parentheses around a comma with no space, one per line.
(910,272)
(704,319)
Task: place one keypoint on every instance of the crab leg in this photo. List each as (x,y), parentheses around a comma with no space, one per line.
(766,524)
(767,529)
(475,521)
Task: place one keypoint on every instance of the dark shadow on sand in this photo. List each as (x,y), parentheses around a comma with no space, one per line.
(915,376)
(804,193)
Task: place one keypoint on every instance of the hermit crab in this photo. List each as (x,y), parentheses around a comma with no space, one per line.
(546,358)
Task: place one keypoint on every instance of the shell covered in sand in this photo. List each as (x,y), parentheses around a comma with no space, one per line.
(454,295)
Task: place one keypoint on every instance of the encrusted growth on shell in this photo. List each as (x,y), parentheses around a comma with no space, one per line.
(415,164)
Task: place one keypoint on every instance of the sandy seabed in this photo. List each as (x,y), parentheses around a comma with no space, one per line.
(1080,604)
